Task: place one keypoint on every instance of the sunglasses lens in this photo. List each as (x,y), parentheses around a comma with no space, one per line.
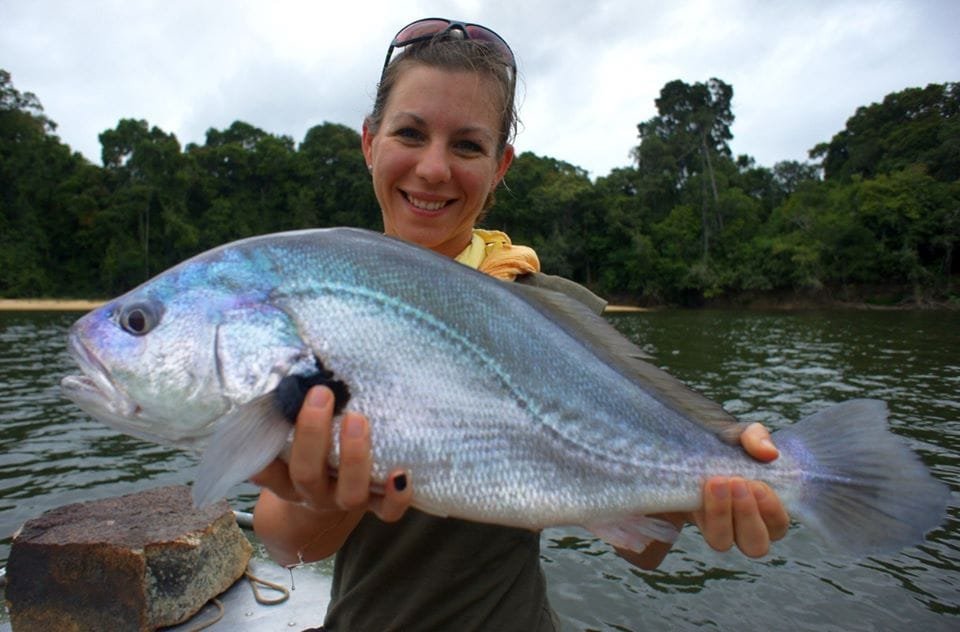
(477,32)
(427,28)
(420,30)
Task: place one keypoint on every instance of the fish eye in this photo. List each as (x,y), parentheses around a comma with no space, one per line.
(139,318)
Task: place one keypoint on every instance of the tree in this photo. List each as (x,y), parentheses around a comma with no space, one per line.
(146,173)
(684,224)
(33,166)
(540,207)
(21,113)
(913,126)
(248,179)
(336,189)
(692,127)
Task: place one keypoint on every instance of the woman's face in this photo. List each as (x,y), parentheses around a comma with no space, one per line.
(434,156)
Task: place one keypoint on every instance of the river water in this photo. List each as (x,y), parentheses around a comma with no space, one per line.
(773,367)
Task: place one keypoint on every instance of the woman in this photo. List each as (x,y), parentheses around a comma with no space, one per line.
(437,145)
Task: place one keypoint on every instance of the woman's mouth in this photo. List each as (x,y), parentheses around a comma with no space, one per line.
(426,205)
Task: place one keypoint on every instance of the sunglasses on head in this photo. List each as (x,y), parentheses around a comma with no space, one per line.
(428,28)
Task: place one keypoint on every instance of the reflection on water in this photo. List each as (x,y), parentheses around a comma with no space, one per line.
(768,367)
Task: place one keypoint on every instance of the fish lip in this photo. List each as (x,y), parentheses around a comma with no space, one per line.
(94,383)
(95,392)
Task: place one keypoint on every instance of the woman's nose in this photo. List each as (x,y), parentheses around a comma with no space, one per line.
(434,164)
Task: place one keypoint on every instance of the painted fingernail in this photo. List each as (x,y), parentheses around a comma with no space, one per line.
(352,427)
(400,482)
(739,488)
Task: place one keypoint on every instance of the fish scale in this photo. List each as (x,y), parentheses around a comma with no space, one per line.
(505,403)
(357,362)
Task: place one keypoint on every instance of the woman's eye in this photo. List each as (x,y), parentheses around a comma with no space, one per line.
(470,147)
(408,133)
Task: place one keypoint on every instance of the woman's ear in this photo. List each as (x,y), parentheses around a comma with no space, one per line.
(366,144)
(505,161)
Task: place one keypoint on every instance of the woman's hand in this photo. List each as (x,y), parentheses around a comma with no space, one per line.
(735,511)
(746,513)
(305,513)
(306,480)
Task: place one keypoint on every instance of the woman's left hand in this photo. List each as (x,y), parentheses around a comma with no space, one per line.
(746,513)
(735,511)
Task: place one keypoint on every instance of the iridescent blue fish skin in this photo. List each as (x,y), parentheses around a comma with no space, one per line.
(505,404)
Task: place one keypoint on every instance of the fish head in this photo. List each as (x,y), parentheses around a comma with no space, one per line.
(148,368)
(169,359)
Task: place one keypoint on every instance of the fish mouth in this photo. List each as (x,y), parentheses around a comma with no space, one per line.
(95,392)
(100,396)
(95,384)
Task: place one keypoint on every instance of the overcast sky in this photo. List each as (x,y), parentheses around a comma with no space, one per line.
(589,71)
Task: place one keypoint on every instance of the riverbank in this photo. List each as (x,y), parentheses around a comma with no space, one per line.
(862,297)
(80,305)
(47,305)
(866,298)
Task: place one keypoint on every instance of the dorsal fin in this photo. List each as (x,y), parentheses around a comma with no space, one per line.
(612,347)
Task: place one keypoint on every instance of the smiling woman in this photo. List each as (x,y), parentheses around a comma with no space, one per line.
(438,139)
(434,159)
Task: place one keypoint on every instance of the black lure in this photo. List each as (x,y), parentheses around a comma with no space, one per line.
(293,388)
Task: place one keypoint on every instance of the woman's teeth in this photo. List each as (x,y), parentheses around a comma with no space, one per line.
(425,205)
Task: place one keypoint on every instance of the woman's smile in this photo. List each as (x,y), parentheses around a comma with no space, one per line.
(434,157)
(422,202)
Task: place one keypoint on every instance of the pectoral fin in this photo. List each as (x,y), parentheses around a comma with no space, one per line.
(245,442)
(253,435)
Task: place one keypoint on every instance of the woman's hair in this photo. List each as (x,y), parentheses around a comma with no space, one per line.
(447,51)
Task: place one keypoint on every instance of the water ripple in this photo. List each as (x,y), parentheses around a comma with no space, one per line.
(777,368)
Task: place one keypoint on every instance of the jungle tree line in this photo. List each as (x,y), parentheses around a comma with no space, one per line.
(879,204)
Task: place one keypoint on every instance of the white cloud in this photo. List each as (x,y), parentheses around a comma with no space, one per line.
(590,72)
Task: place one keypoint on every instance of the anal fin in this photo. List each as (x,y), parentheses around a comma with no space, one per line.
(635,532)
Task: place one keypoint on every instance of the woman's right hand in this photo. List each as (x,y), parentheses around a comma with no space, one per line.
(302,506)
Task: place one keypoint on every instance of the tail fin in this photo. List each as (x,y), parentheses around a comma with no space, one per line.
(863,489)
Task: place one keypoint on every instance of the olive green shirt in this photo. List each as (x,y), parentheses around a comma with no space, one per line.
(429,573)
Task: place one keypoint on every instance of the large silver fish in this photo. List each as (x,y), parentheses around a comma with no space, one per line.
(505,403)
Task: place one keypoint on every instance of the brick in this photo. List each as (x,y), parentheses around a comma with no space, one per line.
(135,562)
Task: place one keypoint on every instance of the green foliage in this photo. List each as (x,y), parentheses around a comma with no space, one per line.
(35,169)
(684,143)
(541,206)
(917,126)
(685,223)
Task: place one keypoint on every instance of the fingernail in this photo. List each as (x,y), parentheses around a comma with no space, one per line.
(317,397)
(352,427)
(759,491)
(739,488)
(400,482)
(767,443)
(720,490)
